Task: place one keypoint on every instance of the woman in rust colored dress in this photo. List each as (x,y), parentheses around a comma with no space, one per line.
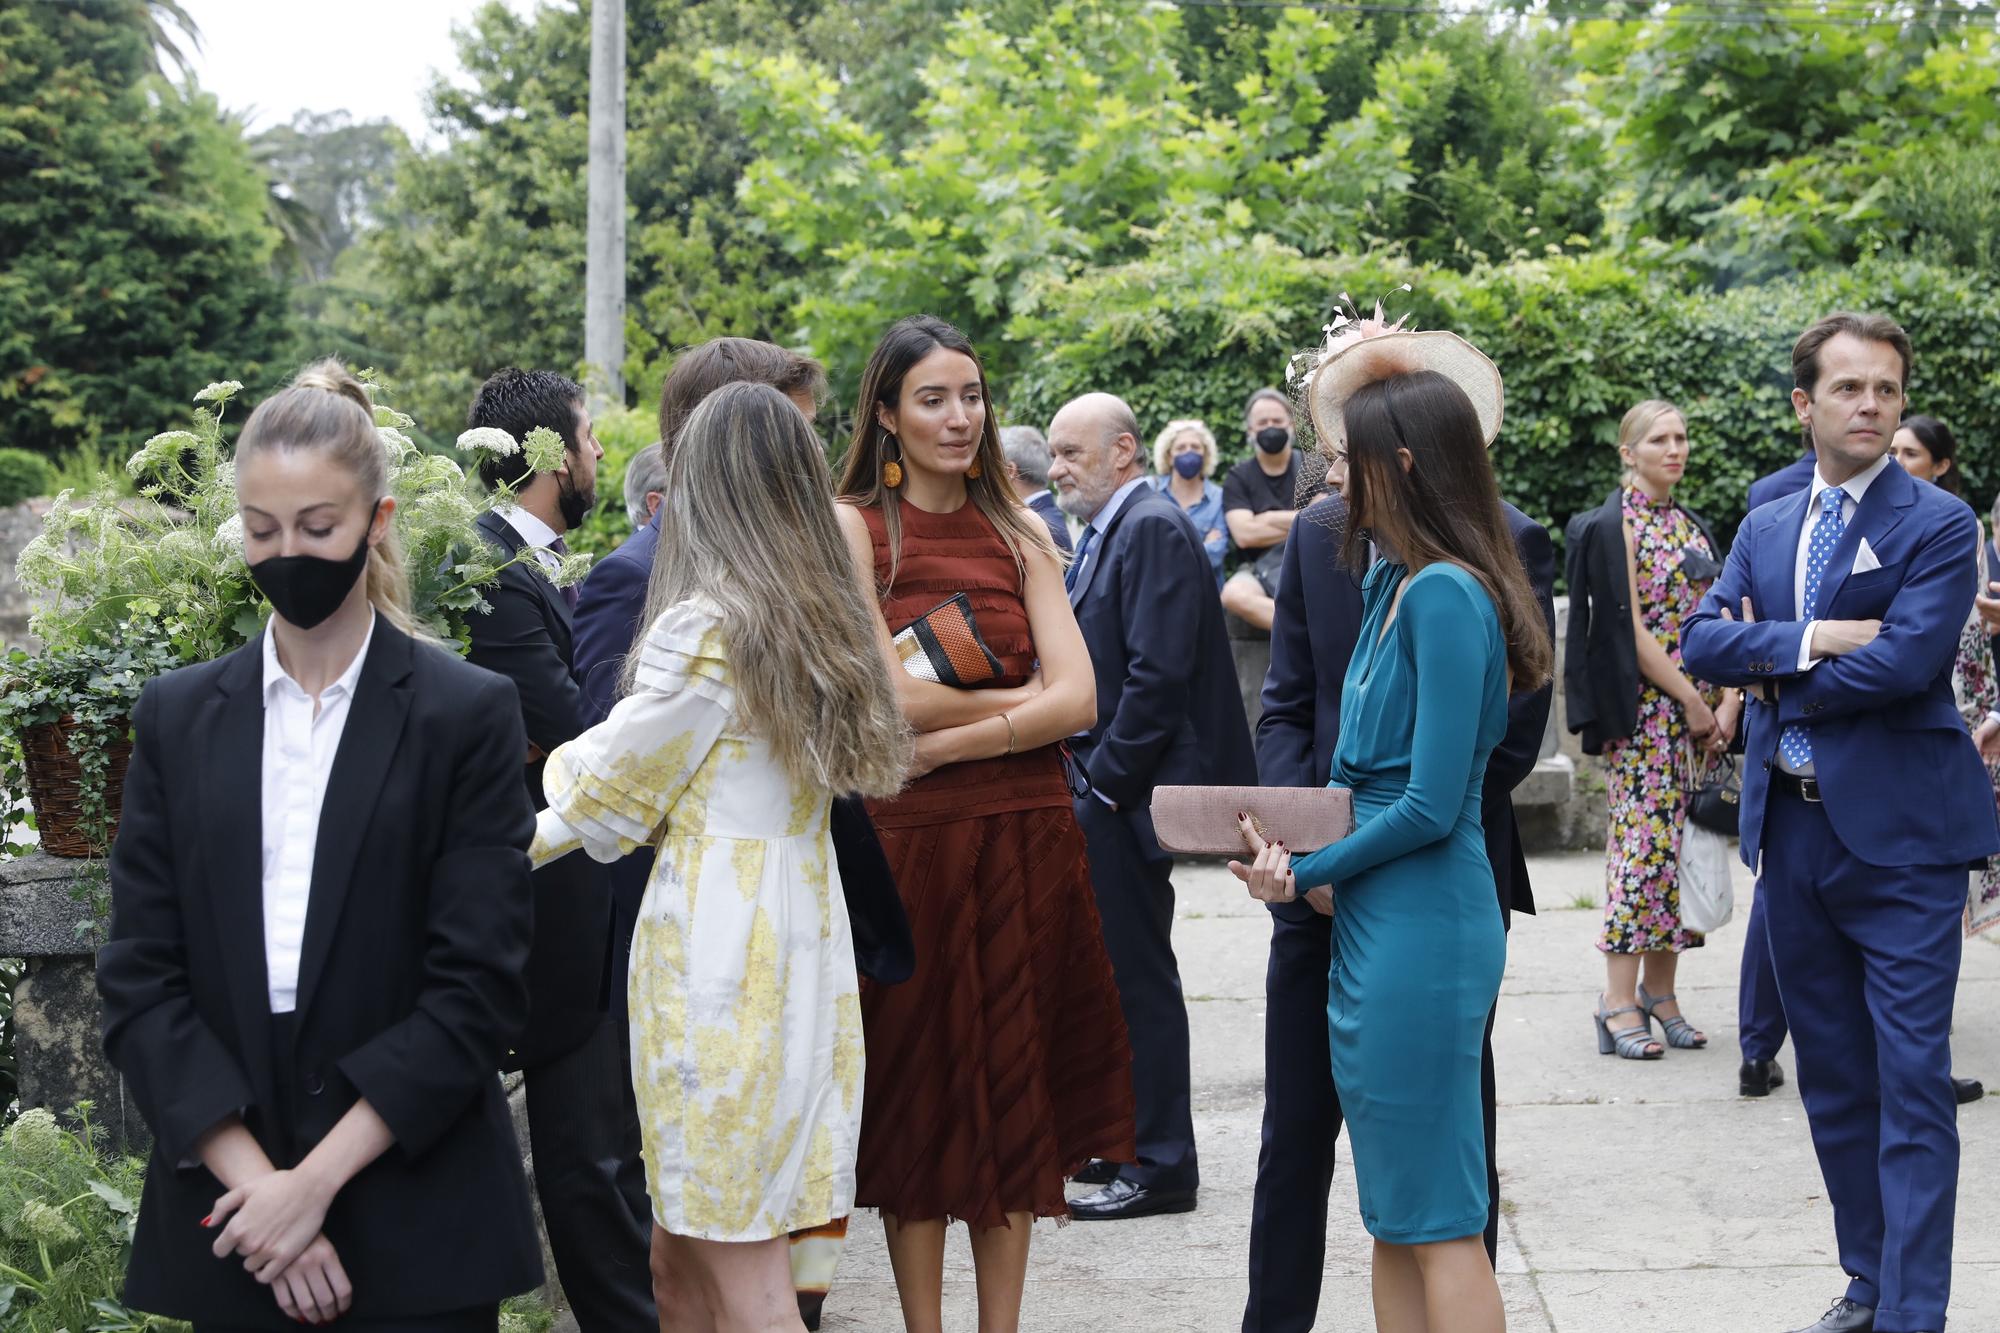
(1002,1065)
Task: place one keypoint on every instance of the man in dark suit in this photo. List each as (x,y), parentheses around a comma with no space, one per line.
(1313,634)
(1168,714)
(1841,609)
(1028,468)
(583,1123)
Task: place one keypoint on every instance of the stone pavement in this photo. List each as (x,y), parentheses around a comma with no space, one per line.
(1637,1198)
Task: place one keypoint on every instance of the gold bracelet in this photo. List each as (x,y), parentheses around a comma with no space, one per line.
(1008,718)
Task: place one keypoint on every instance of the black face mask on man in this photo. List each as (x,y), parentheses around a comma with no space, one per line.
(574,504)
(306,589)
(1273,439)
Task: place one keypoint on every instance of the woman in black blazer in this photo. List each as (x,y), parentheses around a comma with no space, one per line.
(320,916)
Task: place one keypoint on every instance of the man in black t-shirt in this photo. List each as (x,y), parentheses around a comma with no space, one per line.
(1259,502)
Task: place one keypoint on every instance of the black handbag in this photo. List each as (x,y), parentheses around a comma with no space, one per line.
(883,950)
(1716,800)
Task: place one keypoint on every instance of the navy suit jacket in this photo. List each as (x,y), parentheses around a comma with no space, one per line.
(1052,514)
(1168,710)
(1793,477)
(1902,782)
(1313,635)
(608,608)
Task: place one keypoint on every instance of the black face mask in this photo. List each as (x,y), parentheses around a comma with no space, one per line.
(574,504)
(306,589)
(1273,439)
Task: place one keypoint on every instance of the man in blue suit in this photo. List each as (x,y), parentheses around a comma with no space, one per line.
(1168,714)
(1313,633)
(1842,606)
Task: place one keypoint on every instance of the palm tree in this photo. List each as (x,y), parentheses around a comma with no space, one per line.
(157,17)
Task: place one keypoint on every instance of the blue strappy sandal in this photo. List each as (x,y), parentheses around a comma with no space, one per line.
(1633,1043)
(1680,1033)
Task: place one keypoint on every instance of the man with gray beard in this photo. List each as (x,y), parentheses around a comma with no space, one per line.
(1168,714)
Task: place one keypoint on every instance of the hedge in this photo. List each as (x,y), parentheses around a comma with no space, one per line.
(1578,339)
(24,476)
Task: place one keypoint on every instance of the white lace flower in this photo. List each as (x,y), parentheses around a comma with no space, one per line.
(544,449)
(572,570)
(389,416)
(398,445)
(228,536)
(489,440)
(219,392)
(162,448)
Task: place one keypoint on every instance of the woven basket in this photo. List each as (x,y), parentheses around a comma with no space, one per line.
(55,785)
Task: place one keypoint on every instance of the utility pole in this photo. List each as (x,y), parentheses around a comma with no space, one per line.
(604,262)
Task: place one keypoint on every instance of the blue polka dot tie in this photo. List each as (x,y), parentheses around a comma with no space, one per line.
(1795,742)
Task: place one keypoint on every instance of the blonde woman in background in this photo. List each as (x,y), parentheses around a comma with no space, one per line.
(1184,458)
(757,691)
(320,916)
(1639,565)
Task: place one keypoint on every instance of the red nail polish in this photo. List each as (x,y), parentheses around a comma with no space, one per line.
(208,1221)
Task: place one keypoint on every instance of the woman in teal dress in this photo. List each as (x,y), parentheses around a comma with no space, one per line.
(1418,948)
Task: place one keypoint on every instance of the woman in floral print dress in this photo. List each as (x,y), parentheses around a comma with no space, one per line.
(1928,451)
(1672,560)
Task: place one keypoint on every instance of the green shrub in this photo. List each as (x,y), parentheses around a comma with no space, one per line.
(23,476)
(623,431)
(1578,340)
(67,1214)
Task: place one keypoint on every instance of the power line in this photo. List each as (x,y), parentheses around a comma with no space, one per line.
(1715,18)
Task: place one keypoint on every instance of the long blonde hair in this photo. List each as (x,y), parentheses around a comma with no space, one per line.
(748,524)
(908,341)
(327,409)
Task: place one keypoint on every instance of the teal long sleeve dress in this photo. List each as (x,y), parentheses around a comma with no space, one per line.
(1418,946)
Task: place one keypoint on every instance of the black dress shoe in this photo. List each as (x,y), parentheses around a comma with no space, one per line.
(1121,1199)
(1756,1078)
(1097,1171)
(1845,1317)
(1967,1089)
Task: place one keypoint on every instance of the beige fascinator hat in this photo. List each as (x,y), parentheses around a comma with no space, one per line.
(1359,352)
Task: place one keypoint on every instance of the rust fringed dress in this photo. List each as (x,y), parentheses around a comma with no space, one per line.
(1002,1065)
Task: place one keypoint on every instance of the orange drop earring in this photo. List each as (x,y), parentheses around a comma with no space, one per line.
(974,471)
(892,470)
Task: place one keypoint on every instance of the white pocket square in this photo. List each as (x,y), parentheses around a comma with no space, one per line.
(1864,559)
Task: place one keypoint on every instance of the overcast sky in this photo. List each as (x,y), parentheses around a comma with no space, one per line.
(369,58)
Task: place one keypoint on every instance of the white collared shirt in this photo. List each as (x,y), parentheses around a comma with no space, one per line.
(537,534)
(299,747)
(1854,487)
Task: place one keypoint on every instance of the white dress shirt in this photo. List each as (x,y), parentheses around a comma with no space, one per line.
(299,746)
(537,534)
(1855,487)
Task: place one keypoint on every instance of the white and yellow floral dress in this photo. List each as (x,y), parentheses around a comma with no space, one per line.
(746,1022)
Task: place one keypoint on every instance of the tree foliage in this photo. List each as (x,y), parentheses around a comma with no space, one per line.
(134,251)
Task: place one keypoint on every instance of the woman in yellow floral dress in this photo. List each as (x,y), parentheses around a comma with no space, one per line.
(1673,559)
(757,691)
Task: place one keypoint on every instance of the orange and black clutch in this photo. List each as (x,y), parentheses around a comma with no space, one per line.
(943,645)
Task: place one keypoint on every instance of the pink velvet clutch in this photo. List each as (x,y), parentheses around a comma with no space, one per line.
(1201,821)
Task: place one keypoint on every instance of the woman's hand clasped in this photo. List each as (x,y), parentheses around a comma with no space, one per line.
(1269,874)
(270,1221)
(315,1289)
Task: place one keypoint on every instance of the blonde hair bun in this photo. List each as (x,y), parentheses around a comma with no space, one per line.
(330,376)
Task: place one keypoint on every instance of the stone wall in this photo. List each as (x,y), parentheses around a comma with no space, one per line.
(18,526)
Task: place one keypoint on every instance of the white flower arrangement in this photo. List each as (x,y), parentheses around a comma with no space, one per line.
(490,440)
(219,392)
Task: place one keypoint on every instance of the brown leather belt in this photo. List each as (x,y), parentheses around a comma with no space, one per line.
(1792,784)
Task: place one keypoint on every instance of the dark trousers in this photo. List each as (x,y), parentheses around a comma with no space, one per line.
(1867,962)
(1295,1161)
(1131,876)
(1760,1018)
(480,1319)
(583,1129)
